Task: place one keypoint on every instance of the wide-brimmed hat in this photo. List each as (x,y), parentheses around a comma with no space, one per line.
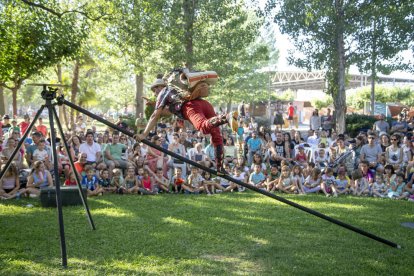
(157,82)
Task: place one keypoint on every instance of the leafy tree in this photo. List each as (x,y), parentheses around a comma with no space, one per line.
(331,35)
(384,31)
(32,40)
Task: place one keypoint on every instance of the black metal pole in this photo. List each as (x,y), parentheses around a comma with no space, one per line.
(249,186)
(51,108)
(20,143)
(82,195)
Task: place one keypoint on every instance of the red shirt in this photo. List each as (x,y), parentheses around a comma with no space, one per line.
(291,111)
(23,127)
(42,129)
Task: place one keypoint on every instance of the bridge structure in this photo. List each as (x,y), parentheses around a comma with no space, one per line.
(315,80)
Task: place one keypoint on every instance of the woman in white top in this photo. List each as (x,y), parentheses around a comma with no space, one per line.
(315,120)
(394,154)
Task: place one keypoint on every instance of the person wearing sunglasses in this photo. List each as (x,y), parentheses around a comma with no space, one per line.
(394,154)
(371,152)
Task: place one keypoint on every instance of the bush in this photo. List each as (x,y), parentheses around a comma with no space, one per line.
(358,122)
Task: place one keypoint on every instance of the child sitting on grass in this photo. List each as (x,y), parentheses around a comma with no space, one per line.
(160,181)
(379,188)
(177,180)
(71,180)
(211,183)
(313,182)
(286,183)
(131,181)
(396,190)
(327,186)
(272,178)
(257,178)
(342,182)
(195,182)
(147,187)
(237,174)
(105,181)
(90,181)
(118,181)
(297,176)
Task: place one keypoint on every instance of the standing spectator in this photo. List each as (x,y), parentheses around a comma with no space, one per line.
(381,125)
(241,109)
(327,122)
(291,114)
(315,120)
(80,125)
(254,145)
(25,124)
(278,121)
(93,151)
(41,127)
(140,123)
(178,148)
(6,124)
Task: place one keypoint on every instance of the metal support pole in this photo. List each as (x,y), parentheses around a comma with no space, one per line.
(57,184)
(249,186)
(78,183)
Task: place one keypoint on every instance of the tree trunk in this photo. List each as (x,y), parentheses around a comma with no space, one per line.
(14,97)
(2,106)
(340,99)
(373,68)
(139,92)
(74,92)
(62,115)
(189,10)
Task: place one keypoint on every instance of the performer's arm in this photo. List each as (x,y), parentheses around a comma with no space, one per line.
(153,121)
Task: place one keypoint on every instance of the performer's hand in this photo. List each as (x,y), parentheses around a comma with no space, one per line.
(139,137)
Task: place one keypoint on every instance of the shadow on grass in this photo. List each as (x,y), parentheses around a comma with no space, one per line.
(232,233)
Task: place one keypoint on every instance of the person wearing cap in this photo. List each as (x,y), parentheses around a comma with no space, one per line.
(6,124)
(381,125)
(25,124)
(170,101)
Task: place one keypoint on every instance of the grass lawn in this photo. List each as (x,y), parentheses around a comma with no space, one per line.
(240,233)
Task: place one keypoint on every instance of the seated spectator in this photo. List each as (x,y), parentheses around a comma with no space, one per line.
(397,188)
(7,152)
(42,154)
(105,181)
(328,183)
(286,183)
(394,154)
(371,153)
(39,178)
(93,152)
(41,127)
(399,126)
(36,138)
(381,125)
(131,182)
(313,182)
(80,164)
(156,158)
(257,178)
(71,179)
(10,184)
(90,182)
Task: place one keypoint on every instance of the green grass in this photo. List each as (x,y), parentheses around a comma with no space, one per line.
(224,234)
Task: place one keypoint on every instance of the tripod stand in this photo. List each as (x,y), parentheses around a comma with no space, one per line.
(49,94)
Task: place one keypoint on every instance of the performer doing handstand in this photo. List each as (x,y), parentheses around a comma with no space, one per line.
(182,97)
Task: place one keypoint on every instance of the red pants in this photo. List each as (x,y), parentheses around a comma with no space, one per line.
(198,112)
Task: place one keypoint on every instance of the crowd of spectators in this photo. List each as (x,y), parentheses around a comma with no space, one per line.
(378,162)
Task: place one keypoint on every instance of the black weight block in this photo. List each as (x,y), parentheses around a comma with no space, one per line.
(69,196)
